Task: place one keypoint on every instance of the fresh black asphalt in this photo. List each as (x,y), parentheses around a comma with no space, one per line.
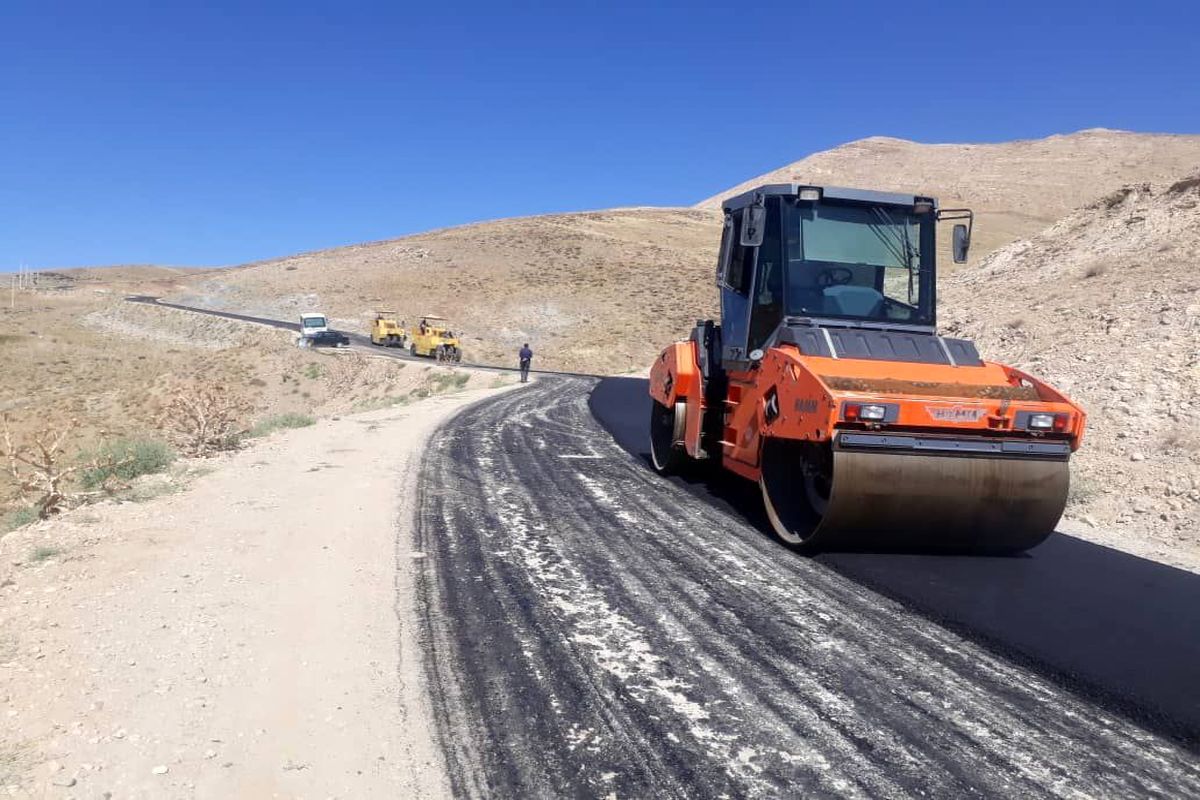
(1121,628)
(591,629)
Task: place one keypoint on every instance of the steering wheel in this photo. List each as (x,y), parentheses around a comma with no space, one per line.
(836,276)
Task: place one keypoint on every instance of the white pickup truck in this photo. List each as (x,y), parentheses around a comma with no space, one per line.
(315,332)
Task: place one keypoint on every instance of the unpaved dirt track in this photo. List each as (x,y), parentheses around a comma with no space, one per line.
(590,628)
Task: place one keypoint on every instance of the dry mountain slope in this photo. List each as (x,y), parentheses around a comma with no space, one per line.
(1016,188)
(593,291)
(604,291)
(1105,304)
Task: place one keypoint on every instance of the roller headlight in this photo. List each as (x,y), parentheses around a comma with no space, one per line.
(873,413)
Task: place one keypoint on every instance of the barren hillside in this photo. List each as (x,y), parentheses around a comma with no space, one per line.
(1105,304)
(597,291)
(604,291)
(1016,188)
(74,349)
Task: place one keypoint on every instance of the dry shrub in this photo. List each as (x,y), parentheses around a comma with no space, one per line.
(40,469)
(1114,199)
(1179,187)
(1182,440)
(206,418)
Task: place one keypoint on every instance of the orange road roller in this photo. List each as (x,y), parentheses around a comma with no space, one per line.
(827,384)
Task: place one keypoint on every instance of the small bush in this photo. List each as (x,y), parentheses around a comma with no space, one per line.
(280,422)
(17,519)
(447,381)
(312,371)
(1182,186)
(125,459)
(43,553)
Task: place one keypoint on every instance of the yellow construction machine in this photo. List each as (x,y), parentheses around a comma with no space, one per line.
(386,331)
(432,338)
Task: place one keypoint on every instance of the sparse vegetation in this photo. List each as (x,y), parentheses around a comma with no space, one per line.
(448,381)
(40,554)
(1181,440)
(376,403)
(280,422)
(17,519)
(39,467)
(1179,187)
(126,459)
(147,492)
(312,370)
(205,419)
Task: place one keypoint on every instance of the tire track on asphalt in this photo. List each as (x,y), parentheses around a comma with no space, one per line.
(590,629)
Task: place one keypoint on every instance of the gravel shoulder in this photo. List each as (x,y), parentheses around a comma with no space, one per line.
(249,637)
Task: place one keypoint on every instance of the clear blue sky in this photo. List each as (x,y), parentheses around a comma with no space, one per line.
(147,133)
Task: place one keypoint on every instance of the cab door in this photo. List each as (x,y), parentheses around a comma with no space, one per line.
(735,277)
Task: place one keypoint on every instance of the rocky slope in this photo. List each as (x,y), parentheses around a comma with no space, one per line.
(1105,304)
(1016,188)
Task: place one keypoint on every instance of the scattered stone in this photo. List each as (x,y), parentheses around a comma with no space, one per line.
(1137,457)
(64,781)
(161,769)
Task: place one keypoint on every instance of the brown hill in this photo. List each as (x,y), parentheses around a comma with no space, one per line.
(597,291)
(603,291)
(1105,304)
(1016,188)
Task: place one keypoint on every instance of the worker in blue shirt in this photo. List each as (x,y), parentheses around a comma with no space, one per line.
(526,356)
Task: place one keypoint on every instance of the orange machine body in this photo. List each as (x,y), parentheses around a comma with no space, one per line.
(790,395)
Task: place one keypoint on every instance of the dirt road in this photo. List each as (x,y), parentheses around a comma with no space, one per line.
(246,638)
(594,631)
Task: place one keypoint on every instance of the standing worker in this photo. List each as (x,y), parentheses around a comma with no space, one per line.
(526,356)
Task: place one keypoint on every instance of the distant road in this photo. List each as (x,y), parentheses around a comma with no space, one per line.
(355,338)
(593,629)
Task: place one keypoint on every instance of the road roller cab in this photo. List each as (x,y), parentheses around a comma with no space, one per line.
(827,383)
